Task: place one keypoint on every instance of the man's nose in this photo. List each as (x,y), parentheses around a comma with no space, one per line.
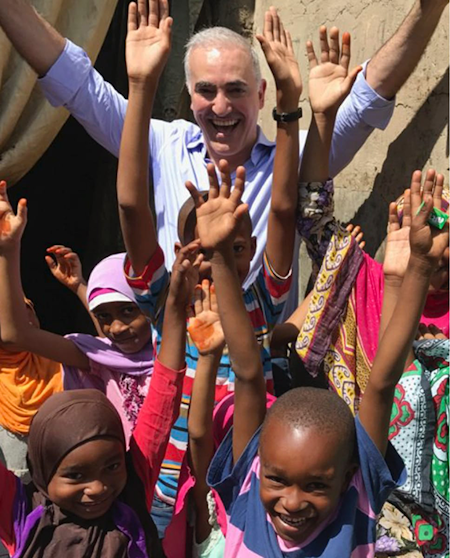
(221,105)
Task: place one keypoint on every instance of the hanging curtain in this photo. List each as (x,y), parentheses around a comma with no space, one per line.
(28,124)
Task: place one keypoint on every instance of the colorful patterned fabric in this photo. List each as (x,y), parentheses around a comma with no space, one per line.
(264,301)
(419,431)
(349,531)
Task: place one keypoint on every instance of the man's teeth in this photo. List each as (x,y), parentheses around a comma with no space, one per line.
(225,122)
(293,522)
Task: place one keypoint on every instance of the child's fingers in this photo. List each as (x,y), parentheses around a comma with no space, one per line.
(334,45)
(289,43)
(283,38)
(206,297)
(239,186)
(198,296)
(362,244)
(428,185)
(268,26)
(275,24)
(51,263)
(406,220)
(394,224)
(424,211)
(349,228)
(351,78)
(213,182)
(213,298)
(324,48)
(345,50)
(132,22)
(312,58)
(163,9)
(225,186)
(3,192)
(195,194)
(241,210)
(22,210)
(437,192)
(416,198)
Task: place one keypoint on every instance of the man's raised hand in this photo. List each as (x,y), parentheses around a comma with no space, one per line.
(148,39)
(329,80)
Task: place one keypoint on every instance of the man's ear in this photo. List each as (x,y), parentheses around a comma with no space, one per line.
(177,247)
(253,243)
(262,93)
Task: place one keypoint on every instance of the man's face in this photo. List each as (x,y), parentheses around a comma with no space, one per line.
(225,100)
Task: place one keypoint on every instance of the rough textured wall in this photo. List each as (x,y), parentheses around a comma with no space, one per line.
(417,136)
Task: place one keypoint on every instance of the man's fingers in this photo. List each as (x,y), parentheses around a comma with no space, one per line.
(142,9)
(163,9)
(275,24)
(345,50)
(153,12)
(132,23)
(334,45)
(312,58)
(268,26)
(324,48)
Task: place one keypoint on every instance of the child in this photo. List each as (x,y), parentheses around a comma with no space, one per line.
(85,498)
(311,480)
(145,267)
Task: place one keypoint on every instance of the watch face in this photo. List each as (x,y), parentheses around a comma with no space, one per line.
(286,116)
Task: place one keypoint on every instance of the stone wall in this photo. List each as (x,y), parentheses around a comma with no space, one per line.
(416,138)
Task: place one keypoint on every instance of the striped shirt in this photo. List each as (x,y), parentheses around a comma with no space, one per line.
(264,300)
(350,531)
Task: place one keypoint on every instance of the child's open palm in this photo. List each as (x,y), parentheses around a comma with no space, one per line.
(330,80)
(218,218)
(205,328)
(397,242)
(148,39)
(428,243)
(11,225)
(276,44)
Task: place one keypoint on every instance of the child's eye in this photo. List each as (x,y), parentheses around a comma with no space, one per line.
(114,466)
(316,487)
(74,476)
(276,480)
(129,310)
(238,249)
(102,316)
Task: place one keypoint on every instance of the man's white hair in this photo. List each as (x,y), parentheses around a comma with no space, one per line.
(219,37)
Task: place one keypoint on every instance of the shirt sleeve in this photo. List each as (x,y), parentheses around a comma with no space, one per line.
(381,475)
(273,292)
(361,112)
(8,488)
(155,420)
(151,287)
(72,82)
(226,478)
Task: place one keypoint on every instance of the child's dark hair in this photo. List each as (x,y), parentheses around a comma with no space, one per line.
(309,407)
(187,220)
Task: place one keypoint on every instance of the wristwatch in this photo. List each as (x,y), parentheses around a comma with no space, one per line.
(287,116)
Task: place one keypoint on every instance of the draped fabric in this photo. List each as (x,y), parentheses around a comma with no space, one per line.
(28,124)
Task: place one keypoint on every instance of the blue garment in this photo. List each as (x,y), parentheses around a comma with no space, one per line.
(178,151)
(350,528)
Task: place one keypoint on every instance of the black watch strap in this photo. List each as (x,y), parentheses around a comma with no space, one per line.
(287,116)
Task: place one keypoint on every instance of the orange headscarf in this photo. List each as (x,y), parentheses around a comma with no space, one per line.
(26,381)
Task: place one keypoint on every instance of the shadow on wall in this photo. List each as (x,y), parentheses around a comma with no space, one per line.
(410,151)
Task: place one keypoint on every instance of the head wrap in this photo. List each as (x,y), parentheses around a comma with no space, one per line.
(65,421)
(107,283)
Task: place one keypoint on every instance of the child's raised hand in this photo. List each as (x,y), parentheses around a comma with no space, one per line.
(11,225)
(148,39)
(427,243)
(276,44)
(397,242)
(185,274)
(65,266)
(357,233)
(219,217)
(330,81)
(205,328)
